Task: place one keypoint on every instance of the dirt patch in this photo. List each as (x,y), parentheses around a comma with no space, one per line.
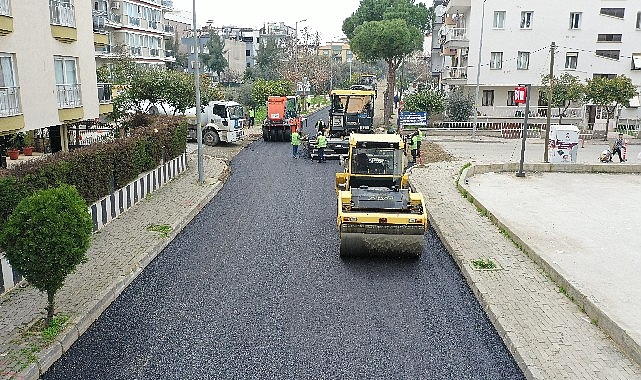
(431,152)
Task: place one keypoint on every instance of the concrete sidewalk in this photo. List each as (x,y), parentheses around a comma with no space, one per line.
(549,335)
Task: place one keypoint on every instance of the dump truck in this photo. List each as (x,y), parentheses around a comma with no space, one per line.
(220,121)
(282,118)
(378,213)
(366,82)
(351,111)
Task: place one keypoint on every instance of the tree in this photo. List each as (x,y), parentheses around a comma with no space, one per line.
(460,106)
(427,100)
(269,59)
(565,89)
(215,60)
(46,237)
(264,88)
(388,30)
(610,93)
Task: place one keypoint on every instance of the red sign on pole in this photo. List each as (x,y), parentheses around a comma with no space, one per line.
(520,95)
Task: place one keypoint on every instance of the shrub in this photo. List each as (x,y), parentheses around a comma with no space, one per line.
(46,237)
(460,106)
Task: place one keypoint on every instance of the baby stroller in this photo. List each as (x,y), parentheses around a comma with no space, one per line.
(606,155)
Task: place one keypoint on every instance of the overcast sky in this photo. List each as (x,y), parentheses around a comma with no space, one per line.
(323,16)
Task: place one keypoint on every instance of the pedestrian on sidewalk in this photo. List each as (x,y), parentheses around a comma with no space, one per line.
(321,144)
(295,143)
(618,145)
(396,101)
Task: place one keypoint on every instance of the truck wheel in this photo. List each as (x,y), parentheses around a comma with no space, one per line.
(280,135)
(211,138)
(265,134)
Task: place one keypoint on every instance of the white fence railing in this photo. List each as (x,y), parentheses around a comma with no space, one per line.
(9,101)
(4,8)
(456,34)
(62,13)
(456,73)
(514,111)
(68,95)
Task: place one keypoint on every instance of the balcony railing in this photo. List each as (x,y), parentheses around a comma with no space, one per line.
(536,111)
(4,8)
(9,101)
(115,18)
(456,73)
(104,93)
(62,13)
(134,21)
(153,24)
(167,3)
(153,52)
(68,95)
(456,34)
(136,51)
(168,28)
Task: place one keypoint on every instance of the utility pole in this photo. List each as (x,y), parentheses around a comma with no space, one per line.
(199,127)
(549,110)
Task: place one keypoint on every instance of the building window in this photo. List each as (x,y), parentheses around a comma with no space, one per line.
(62,12)
(496,60)
(510,98)
(608,76)
(67,86)
(571,60)
(526,19)
(9,91)
(5,10)
(636,61)
(247,53)
(488,98)
(612,54)
(639,20)
(609,38)
(614,12)
(523,60)
(575,20)
(499,20)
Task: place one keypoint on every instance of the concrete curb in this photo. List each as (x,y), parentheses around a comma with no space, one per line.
(619,335)
(65,340)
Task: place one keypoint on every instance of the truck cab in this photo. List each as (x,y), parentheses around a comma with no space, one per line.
(220,120)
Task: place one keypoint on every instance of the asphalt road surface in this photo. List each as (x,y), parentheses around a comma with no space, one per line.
(254,288)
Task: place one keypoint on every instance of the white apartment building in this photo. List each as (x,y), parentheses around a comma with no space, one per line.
(134,27)
(593,38)
(47,67)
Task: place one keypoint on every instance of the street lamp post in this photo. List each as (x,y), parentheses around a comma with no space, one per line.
(199,128)
(478,75)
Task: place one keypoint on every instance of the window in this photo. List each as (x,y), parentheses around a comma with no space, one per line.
(499,20)
(488,98)
(496,60)
(636,61)
(614,12)
(575,20)
(67,86)
(510,98)
(526,19)
(612,54)
(609,38)
(571,60)
(62,12)
(9,95)
(247,53)
(4,8)
(639,20)
(523,60)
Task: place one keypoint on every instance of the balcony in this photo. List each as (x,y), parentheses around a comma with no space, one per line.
(134,21)
(105,103)
(115,20)
(154,52)
(455,38)
(5,10)
(168,29)
(68,95)
(9,101)
(168,4)
(455,75)
(99,21)
(63,21)
(136,51)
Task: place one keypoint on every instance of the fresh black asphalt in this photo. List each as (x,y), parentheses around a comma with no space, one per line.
(254,288)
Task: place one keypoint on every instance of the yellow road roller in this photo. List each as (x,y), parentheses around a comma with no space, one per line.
(378,214)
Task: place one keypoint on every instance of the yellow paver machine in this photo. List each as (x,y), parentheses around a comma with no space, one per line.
(378,214)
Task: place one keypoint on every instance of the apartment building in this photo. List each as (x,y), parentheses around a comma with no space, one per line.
(48,68)
(338,51)
(594,38)
(134,27)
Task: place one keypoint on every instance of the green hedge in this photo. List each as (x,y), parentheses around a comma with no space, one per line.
(99,169)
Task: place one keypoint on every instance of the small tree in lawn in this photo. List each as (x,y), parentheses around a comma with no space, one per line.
(46,237)
(427,100)
(565,90)
(610,93)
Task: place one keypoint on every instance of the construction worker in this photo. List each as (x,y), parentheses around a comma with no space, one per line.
(320,126)
(414,145)
(420,139)
(252,113)
(321,144)
(295,143)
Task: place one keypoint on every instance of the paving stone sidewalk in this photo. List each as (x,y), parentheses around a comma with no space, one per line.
(549,336)
(118,253)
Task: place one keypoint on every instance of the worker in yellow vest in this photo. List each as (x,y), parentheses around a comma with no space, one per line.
(321,144)
(295,143)
(420,139)
(414,145)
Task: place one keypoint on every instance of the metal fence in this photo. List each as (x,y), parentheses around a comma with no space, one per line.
(68,95)
(4,8)
(62,13)
(9,101)
(508,130)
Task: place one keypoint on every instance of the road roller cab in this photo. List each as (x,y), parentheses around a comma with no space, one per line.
(378,214)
